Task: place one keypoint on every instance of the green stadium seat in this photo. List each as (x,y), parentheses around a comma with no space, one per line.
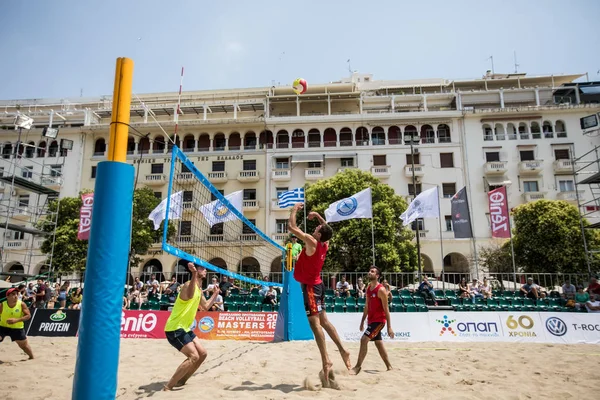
(419,301)
(455,302)
(423,309)
(361,301)
(276,307)
(254,291)
(395,293)
(235,292)
(411,308)
(329,293)
(351,305)
(328,301)
(267,308)
(232,307)
(340,301)
(508,294)
(440,294)
(256,307)
(155,306)
(134,306)
(244,307)
(405,294)
(397,308)
(338,308)
(450,294)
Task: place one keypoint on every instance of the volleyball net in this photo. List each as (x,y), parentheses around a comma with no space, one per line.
(211,228)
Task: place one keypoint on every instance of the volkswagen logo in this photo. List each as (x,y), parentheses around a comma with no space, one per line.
(556,326)
(347,206)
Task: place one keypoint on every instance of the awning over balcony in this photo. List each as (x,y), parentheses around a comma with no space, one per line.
(340,155)
(497,181)
(303,158)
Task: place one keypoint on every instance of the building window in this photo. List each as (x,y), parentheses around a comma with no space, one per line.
(249,194)
(213,197)
(56,170)
(94,168)
(380,160)
(566,186)
(217,229)
(185,228)
(158,195)
(24,200)
(281,226)
(347,162)
(562,154)
(447,160)
(448,219)
(157,168)
(218,166)
(527,155)
(448,190)
(410,157)
(280,190)
(420,222)
(184,168)
(282,163)
(492,156)
(411,189)
(314,164)
(246,230)
(188,196)
(530,186)
(27,172)
(220,143)
(249,165)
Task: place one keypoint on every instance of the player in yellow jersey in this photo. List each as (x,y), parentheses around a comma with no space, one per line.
(178,327)
(13,312)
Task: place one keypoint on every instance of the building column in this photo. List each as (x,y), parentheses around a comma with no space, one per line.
(393,104)
(297,106)
(537,96)
(425,102)
(501,92)
(459,101)
(204,114)
(235,110)
(196,143)
(577,97)
(328,104)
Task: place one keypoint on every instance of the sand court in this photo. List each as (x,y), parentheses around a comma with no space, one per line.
(251,370)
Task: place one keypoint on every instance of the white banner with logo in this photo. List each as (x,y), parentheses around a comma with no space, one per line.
(520,327)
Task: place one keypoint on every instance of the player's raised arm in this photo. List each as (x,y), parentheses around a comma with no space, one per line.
(293,227)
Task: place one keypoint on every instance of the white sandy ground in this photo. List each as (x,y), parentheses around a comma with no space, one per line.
(248,370)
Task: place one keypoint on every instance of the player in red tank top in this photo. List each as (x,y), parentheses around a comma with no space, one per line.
(308,272)
(377,313)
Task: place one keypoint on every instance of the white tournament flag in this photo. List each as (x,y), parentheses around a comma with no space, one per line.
(356,206)
(216,212)
(175,209)
(425,205)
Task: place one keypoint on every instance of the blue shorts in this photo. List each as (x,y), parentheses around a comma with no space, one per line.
(180,338)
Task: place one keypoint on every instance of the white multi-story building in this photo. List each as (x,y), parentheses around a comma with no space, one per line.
(515,130)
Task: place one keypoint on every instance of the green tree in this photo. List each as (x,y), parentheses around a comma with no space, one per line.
(547,238)
(496,258)
(70,254)
(350,247)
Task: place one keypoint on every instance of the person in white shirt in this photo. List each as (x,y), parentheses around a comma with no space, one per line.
(211,286)
(593,306)
(475,291)
(343,287)
(486,289)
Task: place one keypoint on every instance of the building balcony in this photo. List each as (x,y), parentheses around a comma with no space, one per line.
(381,171)
(496,167)
(563,167)
(248,176)
(419,170)
(154,179)
(250,205)
(281,175)
(533,167)
(185,178)
(215,238)
(313,174)
(570,196)
(38,243)
(249,237)
(22,213)
(52,182)
(217,177)
(188,206)
(533,196)
(15,244)
(409,198)
(342,169)
(280,237)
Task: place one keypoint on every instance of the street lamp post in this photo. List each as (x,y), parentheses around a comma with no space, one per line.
(410,140)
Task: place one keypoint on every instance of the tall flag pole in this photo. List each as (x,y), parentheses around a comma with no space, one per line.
(441,244)
(461,221)
(178,106)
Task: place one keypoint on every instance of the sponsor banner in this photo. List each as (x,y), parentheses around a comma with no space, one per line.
(523,327)
(257,326)
(85,216)
(60,323)
(571,327)
(144,324)
(465,326)
(461,222)
(407,327)
(499,213)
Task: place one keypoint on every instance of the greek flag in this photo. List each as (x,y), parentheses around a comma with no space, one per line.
(291,197)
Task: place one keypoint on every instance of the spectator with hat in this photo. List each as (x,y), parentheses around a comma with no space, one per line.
(13,314)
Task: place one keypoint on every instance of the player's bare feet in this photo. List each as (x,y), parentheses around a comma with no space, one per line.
(355,371)
(390,368)
(326,374)
(166,388)
(346,357)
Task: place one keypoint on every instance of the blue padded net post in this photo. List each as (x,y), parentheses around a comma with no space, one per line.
(108,255)
(292,323)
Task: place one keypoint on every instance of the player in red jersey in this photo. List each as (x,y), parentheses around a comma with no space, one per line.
(308,272)
(377,313)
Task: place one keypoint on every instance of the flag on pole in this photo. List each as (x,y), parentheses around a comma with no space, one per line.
(216,212)
(499,215)
(291,197)
(85,216)
(356,206)
(461,221)
(425,205)
(175,209)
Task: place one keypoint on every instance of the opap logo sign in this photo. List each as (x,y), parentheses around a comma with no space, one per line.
(556,326)
(520,326)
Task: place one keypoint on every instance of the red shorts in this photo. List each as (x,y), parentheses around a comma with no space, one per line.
(314,298)
(373,331)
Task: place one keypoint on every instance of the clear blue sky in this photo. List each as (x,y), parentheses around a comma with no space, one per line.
(53,49)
